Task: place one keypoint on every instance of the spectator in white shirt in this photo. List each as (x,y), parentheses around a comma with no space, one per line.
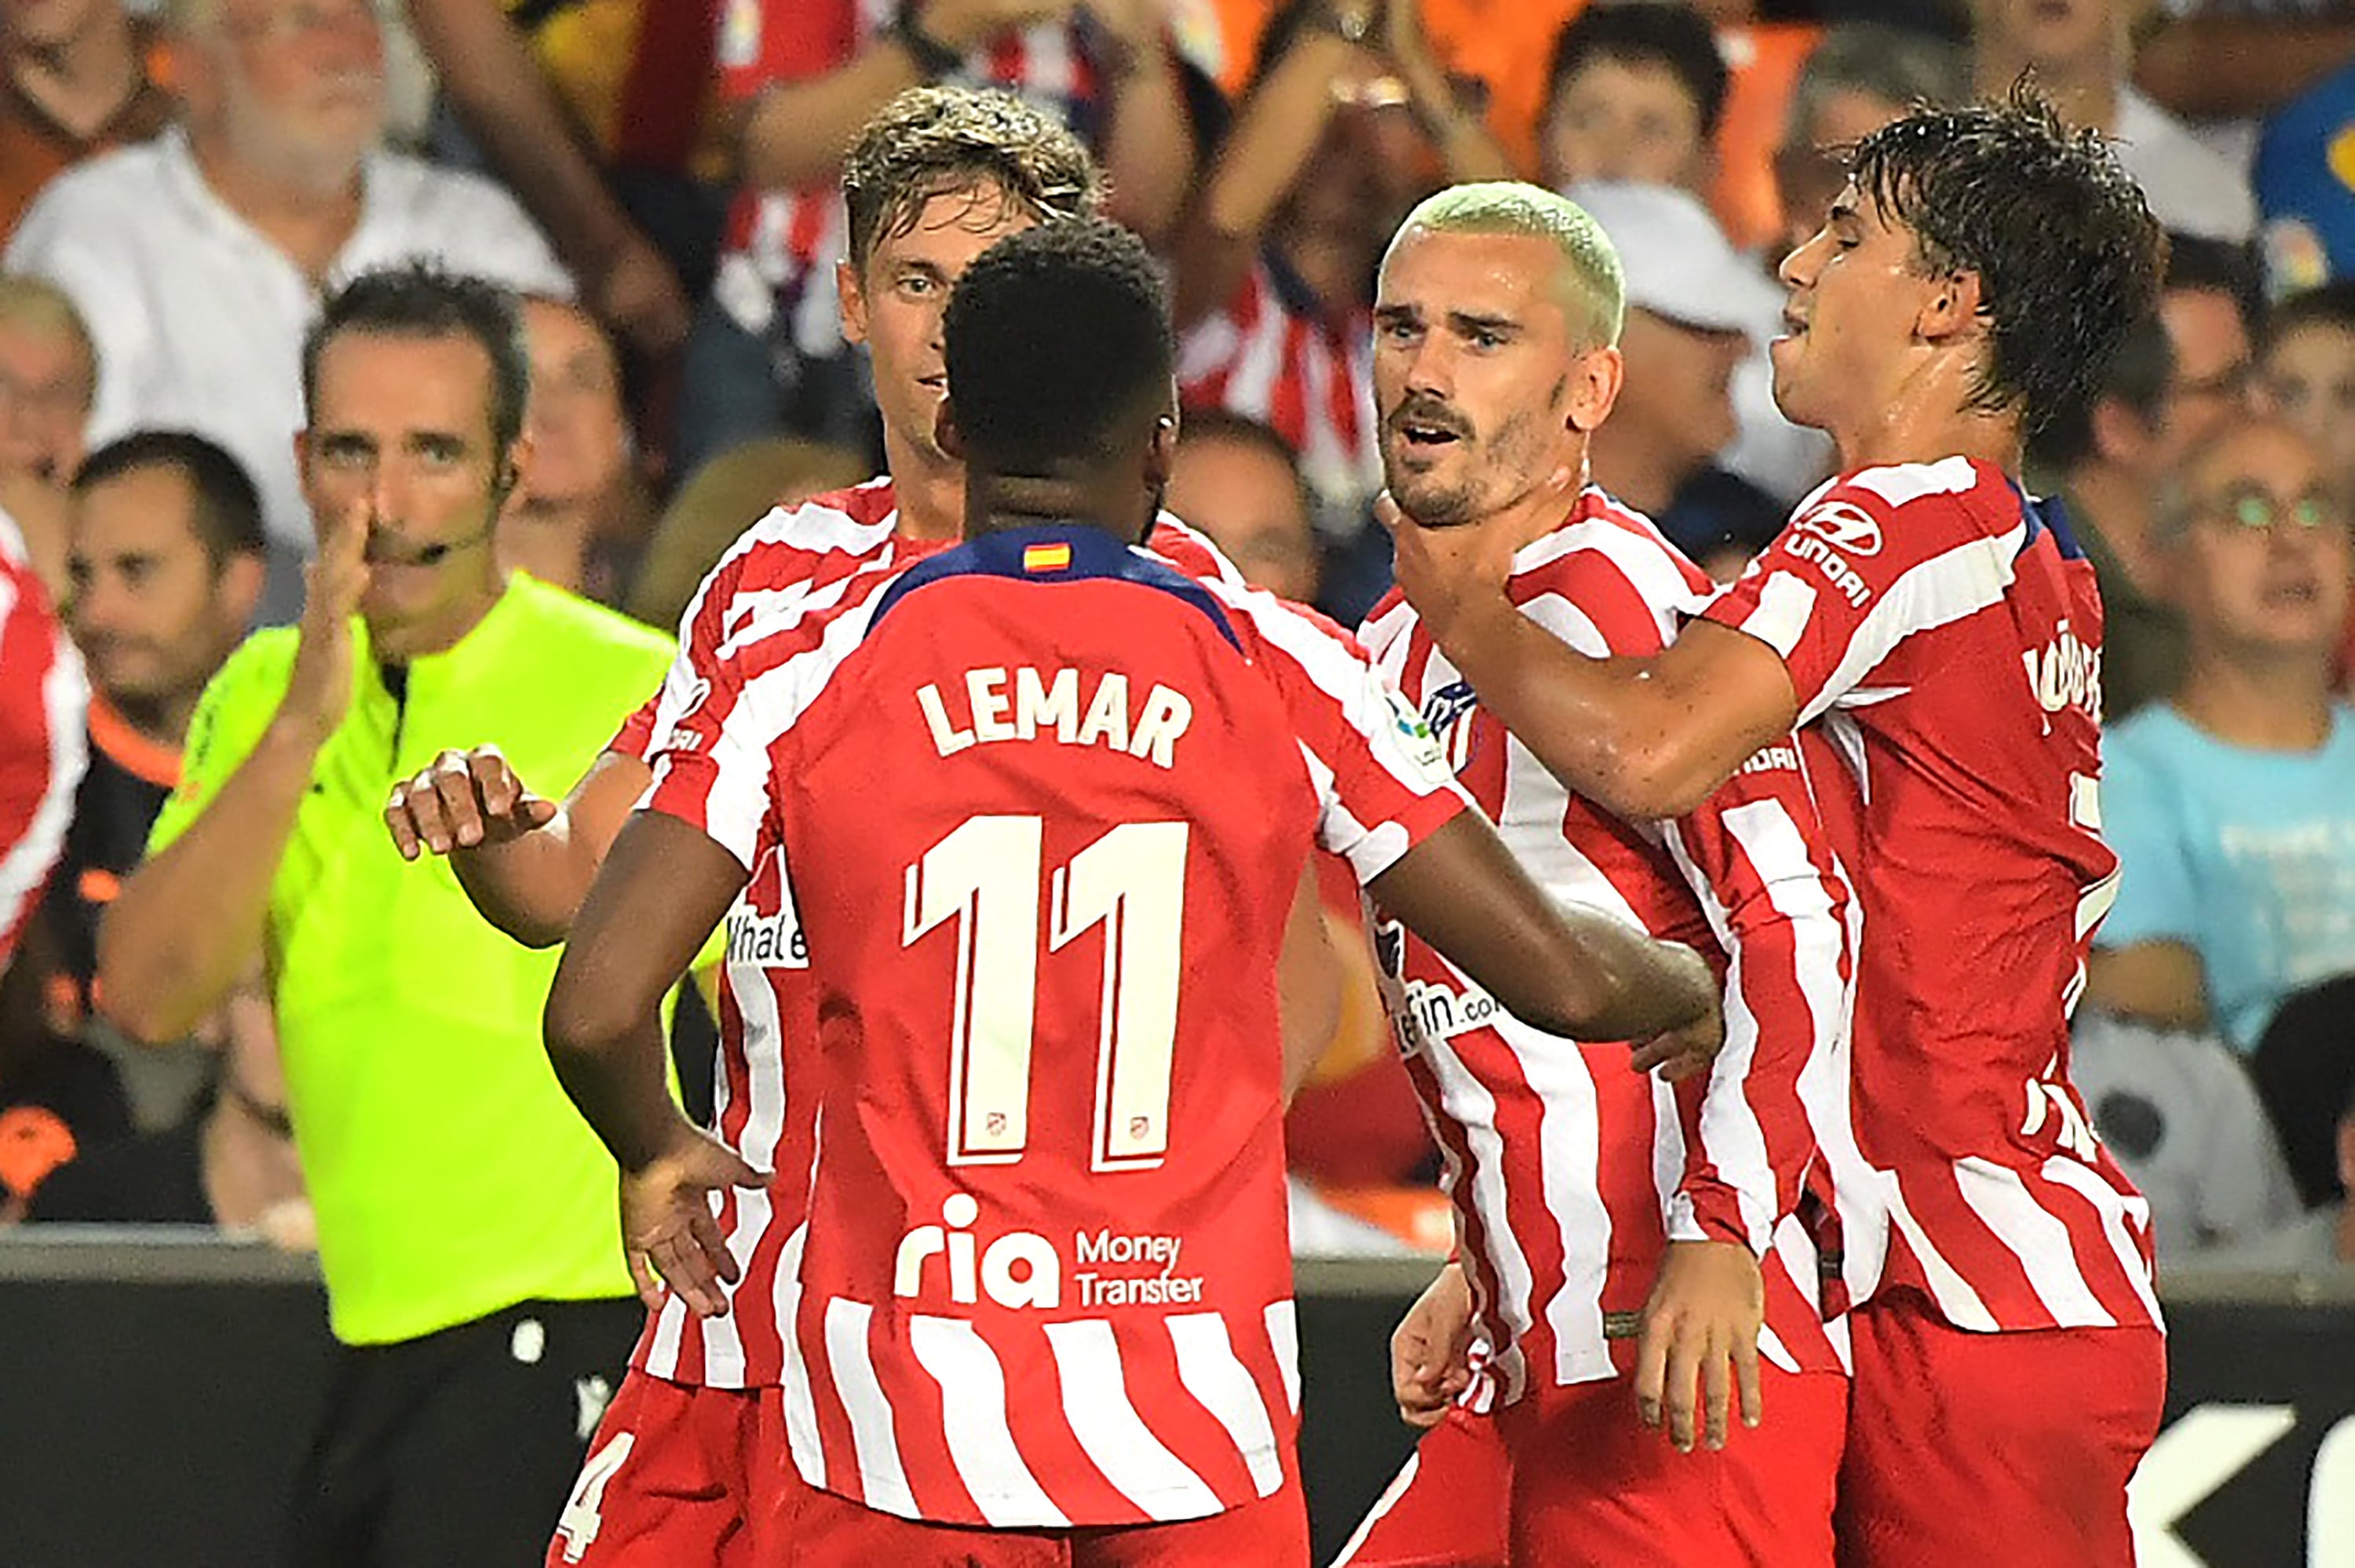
(198,259)
(2080,51)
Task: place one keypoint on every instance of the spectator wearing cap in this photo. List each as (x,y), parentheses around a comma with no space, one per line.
(198,257)
(73,82)
(1695,309)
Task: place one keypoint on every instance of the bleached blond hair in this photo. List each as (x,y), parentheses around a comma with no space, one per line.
(1589,284)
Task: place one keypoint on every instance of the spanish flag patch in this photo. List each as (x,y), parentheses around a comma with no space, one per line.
(1046,557)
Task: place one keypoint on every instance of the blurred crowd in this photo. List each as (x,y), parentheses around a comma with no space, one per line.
(661,184)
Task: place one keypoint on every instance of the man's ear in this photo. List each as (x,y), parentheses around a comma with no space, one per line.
(945,434)
(851,294)
(1952,311)
(513,464)
(242,579)
(1594,380)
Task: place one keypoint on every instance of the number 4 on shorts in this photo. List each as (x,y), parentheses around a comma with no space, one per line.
(579,1521)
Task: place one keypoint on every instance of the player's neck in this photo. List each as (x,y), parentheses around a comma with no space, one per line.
(2259,700)
(928,486)
(995,502)
(1642,472)
(1928,420)
(1541,510)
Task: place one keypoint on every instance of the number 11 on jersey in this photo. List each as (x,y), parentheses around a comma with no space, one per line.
(985,876)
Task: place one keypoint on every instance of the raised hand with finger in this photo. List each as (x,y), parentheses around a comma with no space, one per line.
(464,800)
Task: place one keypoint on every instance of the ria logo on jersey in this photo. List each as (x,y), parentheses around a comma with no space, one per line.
(1024,1269)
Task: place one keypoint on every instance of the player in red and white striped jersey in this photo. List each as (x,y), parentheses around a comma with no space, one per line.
(1590,1202)
(1972,278)
(42,748)
(1124,1092)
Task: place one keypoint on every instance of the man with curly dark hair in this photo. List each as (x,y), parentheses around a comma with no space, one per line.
(1974,277)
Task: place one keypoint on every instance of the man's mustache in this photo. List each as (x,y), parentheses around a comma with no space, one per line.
(1433,413)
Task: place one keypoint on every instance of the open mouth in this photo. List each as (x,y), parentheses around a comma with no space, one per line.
(1426,435)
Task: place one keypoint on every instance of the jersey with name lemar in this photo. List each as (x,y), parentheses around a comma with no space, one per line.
(1947,630)
(1047,801)
(1570,1174)
(796,559)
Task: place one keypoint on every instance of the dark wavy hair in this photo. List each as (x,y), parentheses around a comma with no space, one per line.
(423,298)
(939,141)
(2067,253)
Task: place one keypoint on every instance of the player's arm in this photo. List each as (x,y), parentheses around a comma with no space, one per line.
(1567,970)
(526,862)
(663,886)
(1648,737)
(1308,978)
(176,939)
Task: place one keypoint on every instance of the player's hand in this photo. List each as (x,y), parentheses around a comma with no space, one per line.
(319,691)
(667,1225)
(462,800)
(1689,1048)
(1454,576)
(1431,1348)
(1700,1342)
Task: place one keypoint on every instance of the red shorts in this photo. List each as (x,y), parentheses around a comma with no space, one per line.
(1967,1449)
(1593,1485)
(1448,1507)
(825,1531)
(680,1474)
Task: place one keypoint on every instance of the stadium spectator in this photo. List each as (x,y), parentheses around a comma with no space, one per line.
(197,258)
(1927,335)
(73,82)
(2322,1241)
(2210,306)
(2233,807)
(2177,1109)
(2303,1069)
(1235,479)
(231,1164)
(465,1220)
(1861,75)
(489,75)
(2305,373)
(579,514)
(767,354)
(1634,92)
(165,572)
(2079,52)
(1696,310)
(2104,458)
(48,374)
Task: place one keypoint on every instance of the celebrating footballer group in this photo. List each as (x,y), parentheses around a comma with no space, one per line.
(1730,940)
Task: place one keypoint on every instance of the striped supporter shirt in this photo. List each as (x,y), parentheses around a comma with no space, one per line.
(1568,1172)
(1946,631)
(779,248)
(1043,1279)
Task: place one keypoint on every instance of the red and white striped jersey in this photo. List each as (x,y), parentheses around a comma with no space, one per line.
(42,748)
(795,558)
(1044,1276)
(779,248)
(1946,632)
(1280,356)
(1568,1172)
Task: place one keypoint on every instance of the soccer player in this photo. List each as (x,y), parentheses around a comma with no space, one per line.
(1971,280)
(1589,1201)
(1043,1283)
(934,179)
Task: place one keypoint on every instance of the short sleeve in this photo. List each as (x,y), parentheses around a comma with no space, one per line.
(2143,820)
(237,706)
(1381,775)
(1864,565)
(635,738)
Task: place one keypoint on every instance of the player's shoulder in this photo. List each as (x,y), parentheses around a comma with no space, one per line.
(1189,549)
(1864,513)
(1603,536)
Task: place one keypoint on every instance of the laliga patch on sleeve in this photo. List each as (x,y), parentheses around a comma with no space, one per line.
(1415,740)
